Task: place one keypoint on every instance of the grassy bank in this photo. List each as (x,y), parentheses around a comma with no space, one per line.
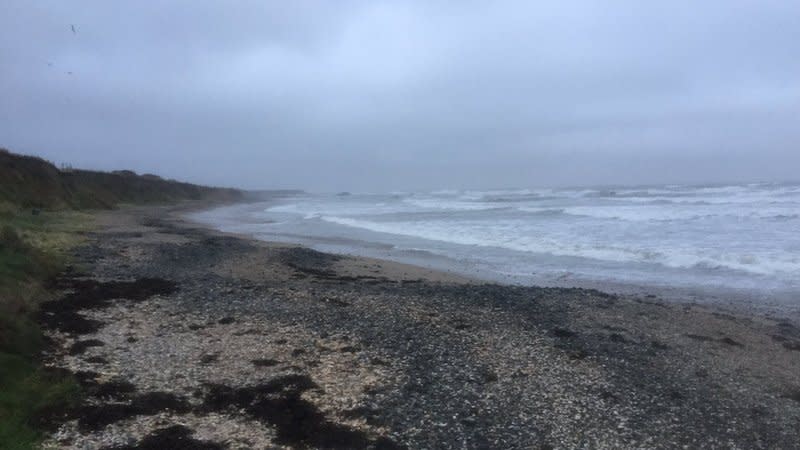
(42,211)
(32,182)
(33,248)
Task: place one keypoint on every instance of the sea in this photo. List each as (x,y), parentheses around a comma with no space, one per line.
(729,243)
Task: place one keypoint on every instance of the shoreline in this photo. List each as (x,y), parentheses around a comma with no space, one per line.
(244,343)
(733,300)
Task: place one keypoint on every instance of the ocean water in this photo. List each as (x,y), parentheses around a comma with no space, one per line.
(743,238)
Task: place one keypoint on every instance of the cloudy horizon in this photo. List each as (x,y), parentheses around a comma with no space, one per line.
(370,96)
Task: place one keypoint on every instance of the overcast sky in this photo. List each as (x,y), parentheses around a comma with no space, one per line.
(375,95)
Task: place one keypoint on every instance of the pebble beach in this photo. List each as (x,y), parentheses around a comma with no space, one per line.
(184,337)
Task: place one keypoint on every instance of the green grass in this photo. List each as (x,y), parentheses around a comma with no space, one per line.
(32,249)
(28,390)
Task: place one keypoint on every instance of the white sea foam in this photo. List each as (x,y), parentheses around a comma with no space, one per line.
(510,237)
(726,233)
(448,204)
(657,212)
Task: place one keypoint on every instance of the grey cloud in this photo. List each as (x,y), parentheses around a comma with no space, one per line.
(407,95)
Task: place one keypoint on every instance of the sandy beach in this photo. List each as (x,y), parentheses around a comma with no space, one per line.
(185,337)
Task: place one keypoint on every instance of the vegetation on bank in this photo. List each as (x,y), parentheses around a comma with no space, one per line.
(32,250)
(40,220)
(31,182)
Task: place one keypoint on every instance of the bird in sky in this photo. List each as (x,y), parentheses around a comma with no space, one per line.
(73,29)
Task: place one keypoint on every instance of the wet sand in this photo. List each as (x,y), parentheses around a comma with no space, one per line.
(184,336)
